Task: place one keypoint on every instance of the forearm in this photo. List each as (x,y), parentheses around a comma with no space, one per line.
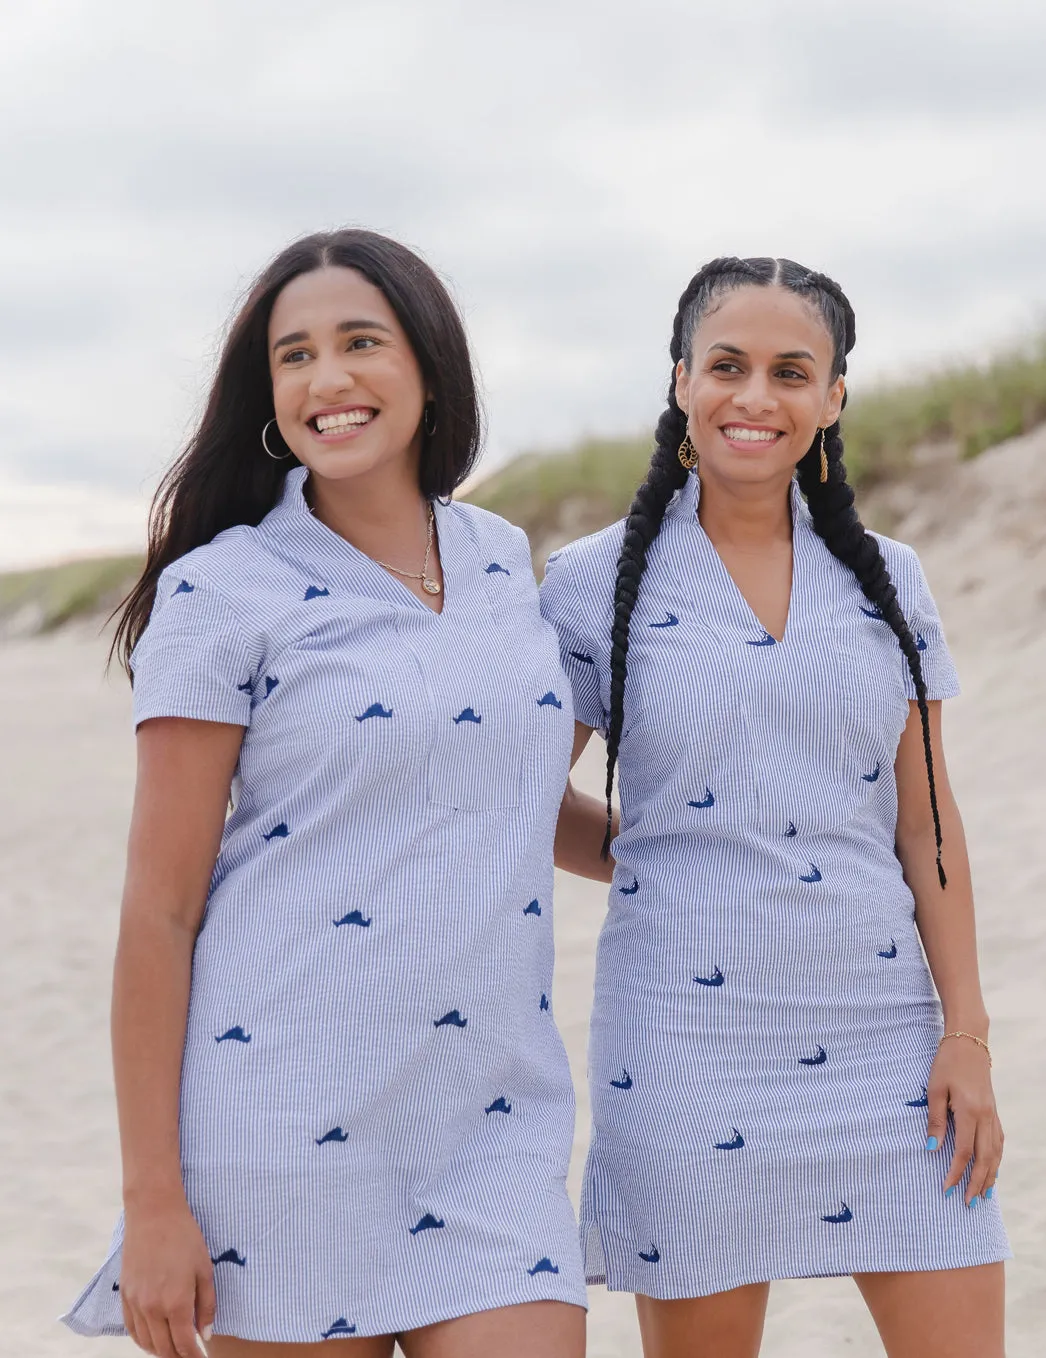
(945,918)
(150,1007)
(579,836)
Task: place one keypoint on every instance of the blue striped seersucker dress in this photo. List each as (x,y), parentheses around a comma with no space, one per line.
(376,1107)
(764,1018)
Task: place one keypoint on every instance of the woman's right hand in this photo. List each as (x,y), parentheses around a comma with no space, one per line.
(166,1281)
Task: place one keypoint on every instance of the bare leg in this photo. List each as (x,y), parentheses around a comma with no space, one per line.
(726,1325)
(222,1346)
(535,1329)
(951,1313)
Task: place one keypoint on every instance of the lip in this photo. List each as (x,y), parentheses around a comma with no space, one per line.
(350,431)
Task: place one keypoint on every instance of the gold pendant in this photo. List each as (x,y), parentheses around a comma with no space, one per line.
(430,586)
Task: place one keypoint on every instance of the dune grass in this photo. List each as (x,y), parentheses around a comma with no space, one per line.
(558,496)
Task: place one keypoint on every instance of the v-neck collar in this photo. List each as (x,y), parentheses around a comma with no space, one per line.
(726,603)
(291,527)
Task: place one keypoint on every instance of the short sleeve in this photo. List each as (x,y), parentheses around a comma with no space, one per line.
(193,659)
(561,606)
(938,668)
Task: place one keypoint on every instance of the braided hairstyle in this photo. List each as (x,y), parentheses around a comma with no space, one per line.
(831,503)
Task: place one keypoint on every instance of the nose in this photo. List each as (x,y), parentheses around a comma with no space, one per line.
(330,378)
(755,398)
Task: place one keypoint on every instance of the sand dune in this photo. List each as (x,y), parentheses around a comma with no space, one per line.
(64,801)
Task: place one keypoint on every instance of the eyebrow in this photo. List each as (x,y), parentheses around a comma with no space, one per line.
(343,328)
(740,353)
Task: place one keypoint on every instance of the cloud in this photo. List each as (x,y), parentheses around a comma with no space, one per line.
(566,166)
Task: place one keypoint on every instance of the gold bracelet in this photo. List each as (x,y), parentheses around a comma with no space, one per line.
(980,1042)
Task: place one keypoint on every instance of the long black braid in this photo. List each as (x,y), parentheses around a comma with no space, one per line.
(831,503)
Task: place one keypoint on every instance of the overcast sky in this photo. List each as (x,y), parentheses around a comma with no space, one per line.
(565,165)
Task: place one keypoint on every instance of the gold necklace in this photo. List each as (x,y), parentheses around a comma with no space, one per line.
(428,583)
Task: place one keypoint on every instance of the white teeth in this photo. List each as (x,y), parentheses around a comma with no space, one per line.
(751,435)
(343,420)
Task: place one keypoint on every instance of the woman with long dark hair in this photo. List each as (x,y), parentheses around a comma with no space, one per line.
(345,1110)
(775,1093)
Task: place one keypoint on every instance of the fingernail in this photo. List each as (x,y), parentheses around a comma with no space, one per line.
(950,1191)
(931,1143)
(974,1202)
(989,1191)
(201,1345)
(208,1332)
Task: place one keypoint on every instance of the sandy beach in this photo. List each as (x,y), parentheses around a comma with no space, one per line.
(68,763)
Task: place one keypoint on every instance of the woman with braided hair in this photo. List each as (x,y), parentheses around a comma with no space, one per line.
(788,1060)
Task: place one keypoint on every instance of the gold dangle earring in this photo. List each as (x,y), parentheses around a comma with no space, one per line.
(824,462)
(688,453)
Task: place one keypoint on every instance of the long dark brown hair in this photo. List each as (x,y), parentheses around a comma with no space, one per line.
(223,477)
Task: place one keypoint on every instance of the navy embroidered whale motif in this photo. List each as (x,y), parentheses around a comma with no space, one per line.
(735,1145)
(230,1257)
(116,1287)
(670,621)
(451,1020)
(924,1102)
(314,592)
(920,642)
(840,1217)
(543,1266)
(875,613)
(707,801)
(353,917)
(630,890)
(554,557)
(818,1060)
(889,953)
(765,640)
(550,700)
(335,1134)
(184,588)
(654,1257)
(791,832)
(495,568)
(544,1005)
(427,1223)
(534,908)
(234,1035)
(270,683)
(340,1327)
(375,710)
(716,978)
(499,1106)
(248,687)
(582,658)
(278,831)
(814,874)
(873,777)
(467,715)
(624,1083)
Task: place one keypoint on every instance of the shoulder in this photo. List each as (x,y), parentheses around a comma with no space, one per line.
(902,561)
(490,532)
(592,560)
(224,575)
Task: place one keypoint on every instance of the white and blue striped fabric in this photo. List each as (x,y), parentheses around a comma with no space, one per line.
(764,1018)
(376,1106)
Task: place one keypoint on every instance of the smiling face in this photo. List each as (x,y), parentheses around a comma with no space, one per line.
(760,385)
(348,392)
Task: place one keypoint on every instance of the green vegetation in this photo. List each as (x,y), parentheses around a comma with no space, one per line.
(41,600)
(559,496)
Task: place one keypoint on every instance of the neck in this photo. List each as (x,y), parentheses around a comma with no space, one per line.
(746,516)
(382,512)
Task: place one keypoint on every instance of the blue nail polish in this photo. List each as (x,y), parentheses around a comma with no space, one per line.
(974,1202)
(950,1191)
(931,1143)
(988,1193)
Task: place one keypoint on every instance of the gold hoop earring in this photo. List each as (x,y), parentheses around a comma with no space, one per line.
(824,462)
(688,453)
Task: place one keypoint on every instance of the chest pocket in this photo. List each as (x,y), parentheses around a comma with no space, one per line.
(478,695)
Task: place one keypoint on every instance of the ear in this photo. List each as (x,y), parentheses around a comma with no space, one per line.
(682,388)
(834,402)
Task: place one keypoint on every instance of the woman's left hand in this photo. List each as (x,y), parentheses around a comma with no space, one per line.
(961,1080)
